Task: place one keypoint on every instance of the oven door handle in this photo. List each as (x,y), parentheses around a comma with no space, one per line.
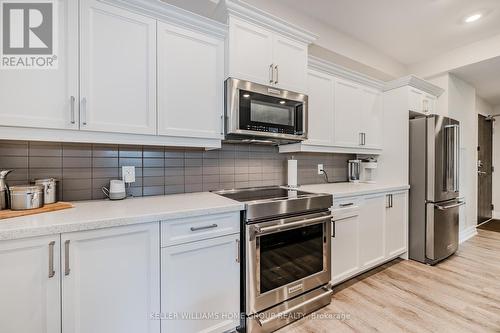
(291,225)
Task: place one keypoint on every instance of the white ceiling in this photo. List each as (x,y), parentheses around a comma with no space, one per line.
(410,31)
(485,77)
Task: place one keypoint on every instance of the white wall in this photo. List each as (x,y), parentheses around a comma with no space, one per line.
(459,102)
(483,107)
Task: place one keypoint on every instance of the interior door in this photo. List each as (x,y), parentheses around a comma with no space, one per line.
(484,169)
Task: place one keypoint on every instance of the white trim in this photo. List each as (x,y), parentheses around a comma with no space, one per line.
(343,72)
(307,148)
(165,12)
(496,215)
(467,234)
(257,16)
(42,134)
(415,82)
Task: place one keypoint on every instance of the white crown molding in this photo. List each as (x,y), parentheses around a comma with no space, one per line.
(415,82)
(343,72)
(165,12)
(255,15)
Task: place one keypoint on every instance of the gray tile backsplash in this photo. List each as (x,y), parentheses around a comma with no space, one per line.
(84,168)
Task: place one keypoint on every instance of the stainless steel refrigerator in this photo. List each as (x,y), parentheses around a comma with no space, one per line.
(434,187)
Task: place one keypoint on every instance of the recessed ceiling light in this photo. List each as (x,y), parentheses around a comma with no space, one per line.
(246,95)
(282,102)
(473,18)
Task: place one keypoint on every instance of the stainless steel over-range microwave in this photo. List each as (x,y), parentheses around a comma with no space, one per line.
(263,114)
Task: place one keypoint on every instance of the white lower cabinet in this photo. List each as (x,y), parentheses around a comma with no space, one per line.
(372,232)
(30,285)
(111,280)
(396,224)
(377,233)
(200,274)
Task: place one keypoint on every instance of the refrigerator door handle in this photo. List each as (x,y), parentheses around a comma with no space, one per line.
(452,145)
(458,204)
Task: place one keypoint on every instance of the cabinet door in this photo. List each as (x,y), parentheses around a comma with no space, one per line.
(396,220)
(118,70)
(190,83)
(250,52)
(348,111)
(371,231)
(199,278)
(321,104)
(111,280)
(345,249)
(30,293)
(373,117)
(290,64)
(46,98)
(429,104)
(415,100)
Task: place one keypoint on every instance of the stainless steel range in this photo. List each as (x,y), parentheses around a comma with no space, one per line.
(286,255)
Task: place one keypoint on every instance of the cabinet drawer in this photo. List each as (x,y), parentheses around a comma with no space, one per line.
(192,229)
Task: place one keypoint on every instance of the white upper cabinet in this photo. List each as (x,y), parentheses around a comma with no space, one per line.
(190,83)
(30,296)
(348,114)
(46,98)
(420,101)
(372,118)
(266,57)
(118,70)
(111,280)
(320,89)
(290,63)
(250,52)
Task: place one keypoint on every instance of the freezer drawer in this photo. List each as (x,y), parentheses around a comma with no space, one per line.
(442,229)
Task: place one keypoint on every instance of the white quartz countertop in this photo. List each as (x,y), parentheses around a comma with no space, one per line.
(88,215)
(342,190)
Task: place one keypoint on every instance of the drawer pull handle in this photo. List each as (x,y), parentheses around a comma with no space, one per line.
(204,227)
(346,205)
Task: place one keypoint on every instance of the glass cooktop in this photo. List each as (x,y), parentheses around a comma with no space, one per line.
(263,193)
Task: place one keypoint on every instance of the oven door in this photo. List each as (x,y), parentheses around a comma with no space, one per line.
(257,110)
(286,258)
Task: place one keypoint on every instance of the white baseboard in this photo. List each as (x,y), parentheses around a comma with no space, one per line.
(496,215)
(467,234)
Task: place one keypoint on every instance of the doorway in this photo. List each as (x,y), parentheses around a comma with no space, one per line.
(485,169)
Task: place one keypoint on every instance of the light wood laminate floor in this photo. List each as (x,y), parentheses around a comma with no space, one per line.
(461,294)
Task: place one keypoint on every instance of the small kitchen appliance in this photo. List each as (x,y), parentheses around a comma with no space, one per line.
(255,113)
(116,190)
(353,170)
(368,171)
(4,189)
(286,253)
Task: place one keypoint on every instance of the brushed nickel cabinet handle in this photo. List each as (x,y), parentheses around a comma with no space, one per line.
(66,258)
(72,100)
(52,272)
(204,227)
(84,111)
(346,204)
(222,125)
(238,251)
(277,74)
(271,73)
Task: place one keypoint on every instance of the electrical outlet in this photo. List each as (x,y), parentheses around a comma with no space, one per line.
(320,169)
(128,174)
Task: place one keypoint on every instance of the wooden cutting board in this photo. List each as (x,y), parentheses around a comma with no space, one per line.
(7,213)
